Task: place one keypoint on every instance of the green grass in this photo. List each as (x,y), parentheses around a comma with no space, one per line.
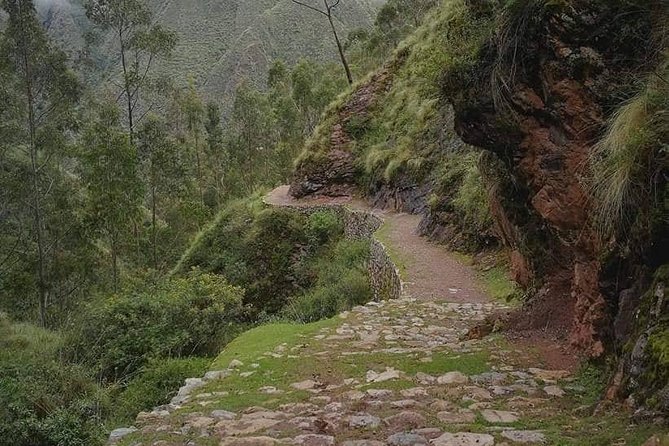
(399,258)
(498,285)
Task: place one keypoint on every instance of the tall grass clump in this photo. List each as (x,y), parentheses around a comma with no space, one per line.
(628,161)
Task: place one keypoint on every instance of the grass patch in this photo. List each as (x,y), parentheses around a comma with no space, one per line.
(398,257)
(498,285)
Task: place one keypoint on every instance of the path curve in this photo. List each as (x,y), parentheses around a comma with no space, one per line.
(428,271)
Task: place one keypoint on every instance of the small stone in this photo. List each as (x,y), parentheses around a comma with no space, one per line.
(314,440)
(353,395)
(379,393)
(405,420)
(363,443)
(248,441)
(404,404)
(235,364)
(246,374)
(270,390)
(304,385)
(414,392)
(117,434)
(223,415)
(216,375)
(363,421)
(389,374)
(424,378)
(499,416)
(554,391)
(462,416)
(428,432)
(464,439)
(406,439)
(453,378)
(531,437)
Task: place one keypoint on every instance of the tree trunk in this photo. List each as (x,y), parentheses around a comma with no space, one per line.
(199,165)
(344,62)
(36,193)
(126,87)
(153,225)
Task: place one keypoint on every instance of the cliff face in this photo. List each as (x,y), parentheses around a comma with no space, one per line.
(539,99)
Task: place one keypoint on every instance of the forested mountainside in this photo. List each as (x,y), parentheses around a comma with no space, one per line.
(138,238)
(220,42)
(539,127)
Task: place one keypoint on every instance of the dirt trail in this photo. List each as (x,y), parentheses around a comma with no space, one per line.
(395,373)
(428,270)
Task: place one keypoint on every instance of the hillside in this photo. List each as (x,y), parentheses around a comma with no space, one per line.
(221,41)
(516,126)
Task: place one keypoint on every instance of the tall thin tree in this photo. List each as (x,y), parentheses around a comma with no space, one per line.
(48,91)
(140,43)
(327,11)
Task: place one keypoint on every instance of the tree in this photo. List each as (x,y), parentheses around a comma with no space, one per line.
(161,168)
(193,111)
(109,171)
(328,7)
(216,152)
(140,43)
(43,93)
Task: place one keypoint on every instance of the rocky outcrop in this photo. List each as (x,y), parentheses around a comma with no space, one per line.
(538,99)
(331,170)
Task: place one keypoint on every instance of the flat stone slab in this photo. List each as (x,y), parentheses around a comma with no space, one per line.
(406,439)
(453,378)
(525,437)
(499,416)
(387,375)
(464,439)
(248,441)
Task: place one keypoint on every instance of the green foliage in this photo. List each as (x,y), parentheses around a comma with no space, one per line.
(323,227)
(42,399)
(156,383)
(342,282)
(183,316)
(627,162)
(110,175)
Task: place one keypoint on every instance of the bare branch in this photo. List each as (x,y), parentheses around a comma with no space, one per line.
(310,7)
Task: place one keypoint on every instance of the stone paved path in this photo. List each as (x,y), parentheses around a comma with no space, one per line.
(390,373)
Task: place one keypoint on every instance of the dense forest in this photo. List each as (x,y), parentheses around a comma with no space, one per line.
(135,243)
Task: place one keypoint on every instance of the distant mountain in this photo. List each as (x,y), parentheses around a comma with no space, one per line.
(221,41)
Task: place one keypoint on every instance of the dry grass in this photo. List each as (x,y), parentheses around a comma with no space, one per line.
(628,159)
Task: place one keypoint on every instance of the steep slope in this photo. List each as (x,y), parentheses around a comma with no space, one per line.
(222,41)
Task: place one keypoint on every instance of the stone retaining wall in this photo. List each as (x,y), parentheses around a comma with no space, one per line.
(361,225)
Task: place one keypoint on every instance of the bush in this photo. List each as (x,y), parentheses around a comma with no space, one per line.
(184,316)
(343,282)
(43,400)
(156,383)
(324,227)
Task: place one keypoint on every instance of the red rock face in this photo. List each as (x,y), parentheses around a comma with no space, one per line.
(554,109)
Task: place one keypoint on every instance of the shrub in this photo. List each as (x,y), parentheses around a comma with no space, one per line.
(323,227)
(343,282)
(43,400)
(156,383)
(184,316)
